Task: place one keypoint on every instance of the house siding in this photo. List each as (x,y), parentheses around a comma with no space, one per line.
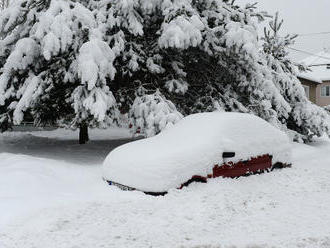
(312,89)
(322,100)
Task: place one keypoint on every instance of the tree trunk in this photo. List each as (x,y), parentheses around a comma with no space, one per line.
(83,134)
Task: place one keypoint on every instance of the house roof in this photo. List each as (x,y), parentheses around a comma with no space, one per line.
(318,65)
(321,58)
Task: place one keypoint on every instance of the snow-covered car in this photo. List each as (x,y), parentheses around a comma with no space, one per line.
(199,147)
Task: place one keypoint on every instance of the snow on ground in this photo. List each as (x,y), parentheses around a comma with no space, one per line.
(64,203)
(62,144)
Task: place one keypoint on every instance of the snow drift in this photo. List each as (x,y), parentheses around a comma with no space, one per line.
(192,147)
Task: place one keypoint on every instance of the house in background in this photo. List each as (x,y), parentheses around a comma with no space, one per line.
(316,82)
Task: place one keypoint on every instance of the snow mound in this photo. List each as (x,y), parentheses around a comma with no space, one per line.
(192,147)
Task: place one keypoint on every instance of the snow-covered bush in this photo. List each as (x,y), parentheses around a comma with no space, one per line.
(327,108)
(86,61)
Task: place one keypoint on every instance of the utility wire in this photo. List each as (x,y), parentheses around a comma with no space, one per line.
(312,34)
(308,53)
(309,34)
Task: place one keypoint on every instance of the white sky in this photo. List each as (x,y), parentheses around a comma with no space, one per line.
(301,17)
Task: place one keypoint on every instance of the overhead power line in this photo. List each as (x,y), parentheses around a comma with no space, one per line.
(308,53)
(307,35)
(312,34)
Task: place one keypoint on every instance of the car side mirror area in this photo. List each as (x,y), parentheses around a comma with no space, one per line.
(228,154)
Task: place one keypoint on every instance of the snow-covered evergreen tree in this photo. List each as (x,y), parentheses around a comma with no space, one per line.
(4,4)
(82,63)
(56,63)
(303,119)
(152,114)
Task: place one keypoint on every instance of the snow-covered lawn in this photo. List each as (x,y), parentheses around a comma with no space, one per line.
(52,195)
(63,144)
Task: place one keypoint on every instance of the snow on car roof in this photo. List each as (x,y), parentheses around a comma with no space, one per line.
(192,147)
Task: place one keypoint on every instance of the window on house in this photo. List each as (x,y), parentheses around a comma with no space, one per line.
(306,88)
(328,66)
(325,90)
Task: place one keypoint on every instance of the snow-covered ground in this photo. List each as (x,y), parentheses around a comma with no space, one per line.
(62,144)
(52,195)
